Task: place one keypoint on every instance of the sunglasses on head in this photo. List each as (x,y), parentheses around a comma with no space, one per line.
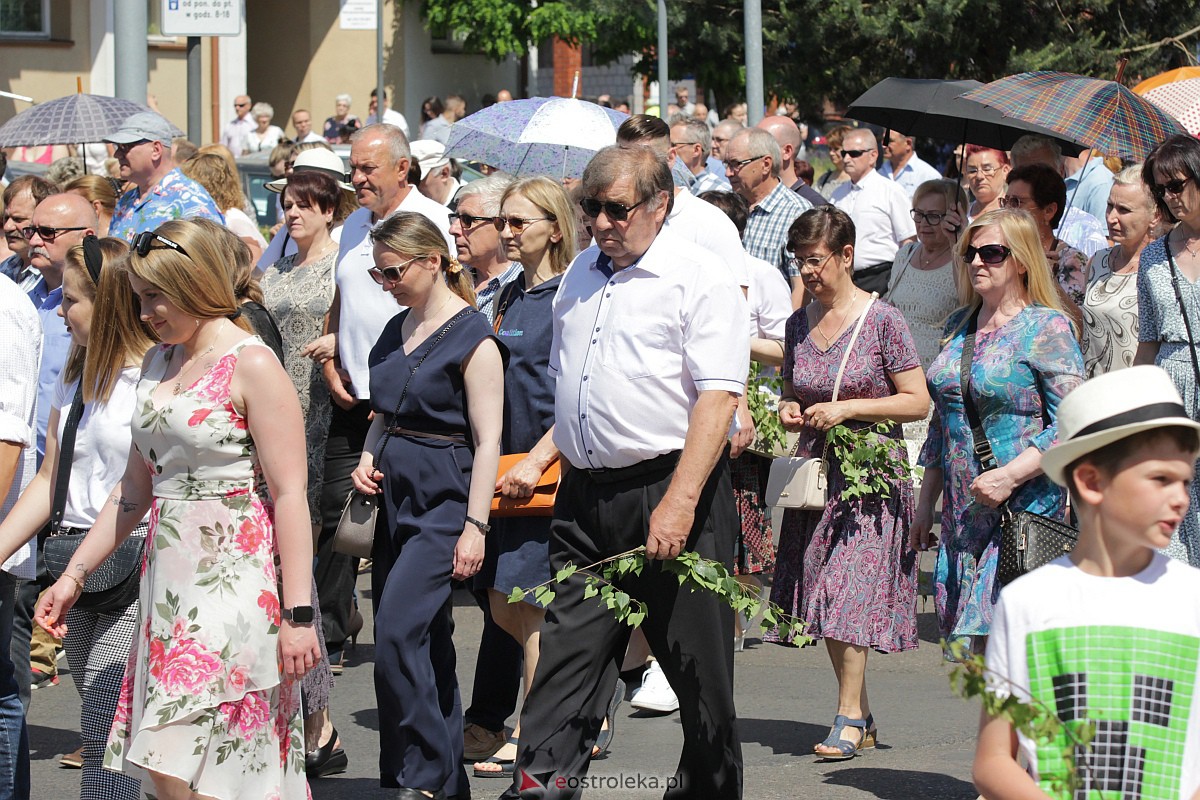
(47,233)
(1174,187)
(617,212)
(469,221)
(517,224)
(390,274)
(989,254)
(145,241)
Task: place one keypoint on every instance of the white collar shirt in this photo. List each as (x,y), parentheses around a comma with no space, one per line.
(770,299)
(364,307)
(20,353)
(236,134)
(914,172)
(703,223)
(633,350)
(880,210)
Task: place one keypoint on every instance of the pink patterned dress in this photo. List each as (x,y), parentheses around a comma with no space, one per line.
(203,698)
(847,570)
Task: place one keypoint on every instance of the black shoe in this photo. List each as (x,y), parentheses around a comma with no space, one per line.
(328,760)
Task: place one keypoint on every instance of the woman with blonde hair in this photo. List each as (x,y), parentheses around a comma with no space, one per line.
(100,378)
(437,390)
(537,229)
(218,460)
(213,172)
(101,193)
(1023,358)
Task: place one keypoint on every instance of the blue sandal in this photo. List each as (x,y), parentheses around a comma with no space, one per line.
(846,750)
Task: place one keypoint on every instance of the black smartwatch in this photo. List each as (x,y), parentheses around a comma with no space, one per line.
(301,615)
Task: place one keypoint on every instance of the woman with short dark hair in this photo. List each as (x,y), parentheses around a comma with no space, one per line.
(1041,192)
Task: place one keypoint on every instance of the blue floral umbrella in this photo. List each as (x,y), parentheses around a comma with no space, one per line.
(74,119)
(554,136)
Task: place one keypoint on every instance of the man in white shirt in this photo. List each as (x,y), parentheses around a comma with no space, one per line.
(902,164)
(390,115)
(649,355)
(879,209)
(379,161)
(302,122)
(235,133)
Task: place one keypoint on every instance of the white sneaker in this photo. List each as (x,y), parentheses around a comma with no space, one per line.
(655,693)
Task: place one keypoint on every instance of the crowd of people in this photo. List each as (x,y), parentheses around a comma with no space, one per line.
(449,343)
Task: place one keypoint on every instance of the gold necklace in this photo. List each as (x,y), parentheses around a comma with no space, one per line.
(841,322)
(178,387)
(1186,246)
(925,262)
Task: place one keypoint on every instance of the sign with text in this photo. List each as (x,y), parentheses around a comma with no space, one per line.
(202,17)
(357,15)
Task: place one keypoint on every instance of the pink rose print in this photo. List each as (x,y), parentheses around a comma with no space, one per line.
(247,716)
(215,384)
(251,536)
(180,629)
(199,416)
(158,655)
(269,602)
(124,704)
(237,679)
(189,668)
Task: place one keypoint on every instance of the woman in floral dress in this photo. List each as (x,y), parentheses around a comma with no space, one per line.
(210,702)
(847,569)
(1026,359)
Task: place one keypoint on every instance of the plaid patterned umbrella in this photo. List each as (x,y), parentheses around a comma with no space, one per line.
(74,119)
(554,136)
(1180,99)
(1103,114)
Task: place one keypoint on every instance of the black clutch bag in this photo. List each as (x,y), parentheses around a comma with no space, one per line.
(111,586)
(1028,541)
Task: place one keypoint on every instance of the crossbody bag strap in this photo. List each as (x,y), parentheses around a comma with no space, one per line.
(503,298)
(982,447)
(383,440)
(1187,324)
(66,454)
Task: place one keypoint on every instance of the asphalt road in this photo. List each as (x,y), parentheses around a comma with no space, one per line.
(786,700)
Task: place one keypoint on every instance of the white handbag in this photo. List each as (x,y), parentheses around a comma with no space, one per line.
(803,483)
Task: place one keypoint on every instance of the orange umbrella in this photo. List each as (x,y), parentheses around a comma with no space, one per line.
(1163,78)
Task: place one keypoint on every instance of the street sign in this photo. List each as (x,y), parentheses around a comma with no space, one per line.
(202,17)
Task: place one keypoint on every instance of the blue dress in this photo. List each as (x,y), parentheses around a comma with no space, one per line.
(425,487)
(1159,320)
(1019,374)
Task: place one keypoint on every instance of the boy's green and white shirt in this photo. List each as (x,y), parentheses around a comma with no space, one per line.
(1121,653)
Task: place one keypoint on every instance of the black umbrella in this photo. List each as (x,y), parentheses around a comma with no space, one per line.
(935,109)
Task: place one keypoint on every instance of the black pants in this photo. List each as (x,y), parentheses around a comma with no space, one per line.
(497,673)
(873,278)
(336,573)
(582,644)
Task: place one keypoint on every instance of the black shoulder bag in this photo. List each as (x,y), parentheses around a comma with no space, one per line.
(1027,540)
(355,534)
(115,583)
(1187,324)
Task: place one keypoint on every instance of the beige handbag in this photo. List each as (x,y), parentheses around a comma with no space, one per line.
(803,483)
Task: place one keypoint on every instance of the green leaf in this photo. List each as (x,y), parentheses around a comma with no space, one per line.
(564,573)
(516,595)
(590,590)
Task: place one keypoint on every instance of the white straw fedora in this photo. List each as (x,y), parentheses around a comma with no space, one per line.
(317,159)
(1111,407)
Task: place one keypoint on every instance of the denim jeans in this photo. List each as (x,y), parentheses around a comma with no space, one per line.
(14,737)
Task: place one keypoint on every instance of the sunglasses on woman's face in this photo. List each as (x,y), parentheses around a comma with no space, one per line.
(989,254)
(390,274)
(1175,187)
(517,224)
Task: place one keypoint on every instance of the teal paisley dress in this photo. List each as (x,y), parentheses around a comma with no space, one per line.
(203,698)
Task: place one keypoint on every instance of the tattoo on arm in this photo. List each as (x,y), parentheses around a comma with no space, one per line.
(123,504)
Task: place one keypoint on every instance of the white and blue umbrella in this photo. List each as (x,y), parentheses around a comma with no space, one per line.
(74,119)
(554,136)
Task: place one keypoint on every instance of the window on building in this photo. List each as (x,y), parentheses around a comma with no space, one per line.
(25,17)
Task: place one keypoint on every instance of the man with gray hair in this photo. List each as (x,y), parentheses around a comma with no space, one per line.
(161,191)
(649,357)
(752,164)
(691,144)
(879,208)
(478,241)
(722,132)
(1078,227)
(787,136)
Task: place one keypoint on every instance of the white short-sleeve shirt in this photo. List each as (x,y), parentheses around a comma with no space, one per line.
(365,307)
(633,350)
(20,357)
(880,210)
(769,298)
(703,223)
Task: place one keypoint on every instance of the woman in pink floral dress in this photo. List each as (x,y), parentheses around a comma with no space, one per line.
(210,703)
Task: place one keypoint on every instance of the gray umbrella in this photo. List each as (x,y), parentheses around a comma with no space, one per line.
(74,119)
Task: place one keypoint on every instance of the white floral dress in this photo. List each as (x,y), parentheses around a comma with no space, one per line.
(203,698)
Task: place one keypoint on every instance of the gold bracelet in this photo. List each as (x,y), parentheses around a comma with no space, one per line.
(78,582)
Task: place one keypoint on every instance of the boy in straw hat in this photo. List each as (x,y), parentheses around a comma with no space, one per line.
(1111,633)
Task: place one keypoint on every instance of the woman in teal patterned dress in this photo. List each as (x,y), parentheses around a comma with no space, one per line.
(1026,358)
